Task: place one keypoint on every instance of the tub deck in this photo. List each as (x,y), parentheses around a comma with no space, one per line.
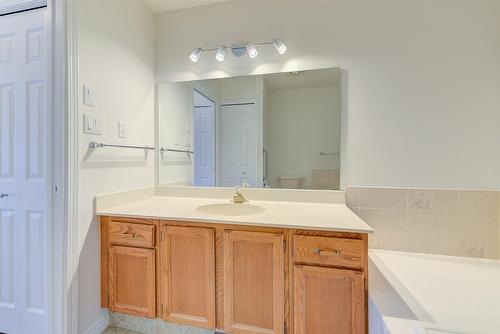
(433,294)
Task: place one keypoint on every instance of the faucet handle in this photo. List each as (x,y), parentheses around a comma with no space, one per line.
(237,189)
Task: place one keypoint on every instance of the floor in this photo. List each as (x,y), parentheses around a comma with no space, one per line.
(115,330)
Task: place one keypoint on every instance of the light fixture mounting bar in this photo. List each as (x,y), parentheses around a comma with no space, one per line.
(238,49)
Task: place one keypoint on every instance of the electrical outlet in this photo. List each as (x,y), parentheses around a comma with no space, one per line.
(122,129)
(88,96)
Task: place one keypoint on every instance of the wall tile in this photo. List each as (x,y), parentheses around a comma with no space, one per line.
(370,198)
(448,222)
(445,200)
(446,244)
(419,199)
(493,244)
(394,199)
(352,197)
(472,245)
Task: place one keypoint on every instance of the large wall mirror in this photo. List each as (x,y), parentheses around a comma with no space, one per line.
(277,130)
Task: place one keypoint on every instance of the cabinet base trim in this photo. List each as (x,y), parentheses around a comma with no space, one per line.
(99,326)
(146,326)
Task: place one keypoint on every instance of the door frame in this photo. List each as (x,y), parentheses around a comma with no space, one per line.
(63,80)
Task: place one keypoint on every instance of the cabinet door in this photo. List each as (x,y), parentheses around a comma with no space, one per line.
(253,282)
(328,301)
(187,275)
(132,281)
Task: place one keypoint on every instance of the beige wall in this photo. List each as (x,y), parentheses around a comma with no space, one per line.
(422,90)
(302,122)
(116,57)
(447,222)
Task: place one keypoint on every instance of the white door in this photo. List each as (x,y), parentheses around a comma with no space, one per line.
(239,145)
(204,140)
(24,174)
(204,146)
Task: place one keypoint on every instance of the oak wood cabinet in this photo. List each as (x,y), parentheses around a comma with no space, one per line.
(254,282)
(187,275)
(328,300)
(237,278)
(132,281)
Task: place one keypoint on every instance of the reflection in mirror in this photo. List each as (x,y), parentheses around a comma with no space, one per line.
(277,130)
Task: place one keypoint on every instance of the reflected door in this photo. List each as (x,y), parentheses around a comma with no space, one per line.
(239,145)
(204,145)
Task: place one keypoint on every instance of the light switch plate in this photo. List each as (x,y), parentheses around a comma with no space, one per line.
(92,125)
(88,96)
(122,129)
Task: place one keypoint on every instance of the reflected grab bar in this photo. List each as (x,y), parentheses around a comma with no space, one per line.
(93,145)
(163,149)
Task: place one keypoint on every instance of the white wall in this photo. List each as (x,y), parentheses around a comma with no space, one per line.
(175,118)
(423,93)
(116,57)
(302,122)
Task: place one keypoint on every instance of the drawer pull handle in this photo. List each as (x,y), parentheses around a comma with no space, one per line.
(133,235)
(336,252)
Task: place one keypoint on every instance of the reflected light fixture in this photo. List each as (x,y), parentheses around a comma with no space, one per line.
(252,51)
(221,53)
(195,55)
(239,49)
(279,45)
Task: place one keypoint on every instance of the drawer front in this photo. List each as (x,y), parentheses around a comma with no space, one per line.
(127,234)
(329,251)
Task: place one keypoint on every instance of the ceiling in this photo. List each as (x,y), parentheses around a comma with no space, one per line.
(159,6)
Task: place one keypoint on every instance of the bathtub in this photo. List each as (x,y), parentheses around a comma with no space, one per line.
(413,293)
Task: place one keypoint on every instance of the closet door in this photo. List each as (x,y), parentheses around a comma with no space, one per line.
(25,174)
(187,275)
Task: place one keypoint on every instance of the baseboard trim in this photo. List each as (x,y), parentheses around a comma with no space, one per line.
(99,326)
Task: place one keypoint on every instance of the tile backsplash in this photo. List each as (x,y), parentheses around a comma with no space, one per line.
(447,222)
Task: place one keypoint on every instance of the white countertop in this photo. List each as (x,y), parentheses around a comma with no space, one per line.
(293,214)
(445,294)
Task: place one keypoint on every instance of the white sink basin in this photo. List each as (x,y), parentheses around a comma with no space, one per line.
(231,209)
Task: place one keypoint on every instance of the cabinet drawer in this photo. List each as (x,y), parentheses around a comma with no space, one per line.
(329,251)
(127,234)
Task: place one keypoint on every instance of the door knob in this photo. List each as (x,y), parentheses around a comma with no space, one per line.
(2,195)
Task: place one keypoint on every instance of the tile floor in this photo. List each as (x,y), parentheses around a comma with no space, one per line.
(115,330)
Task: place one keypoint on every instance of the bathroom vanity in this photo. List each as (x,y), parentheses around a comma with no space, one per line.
(271,261)
(258,267)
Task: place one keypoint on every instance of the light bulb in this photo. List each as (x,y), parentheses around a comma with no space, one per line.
(252,51)
(279,45)
(221,53)
(195,55)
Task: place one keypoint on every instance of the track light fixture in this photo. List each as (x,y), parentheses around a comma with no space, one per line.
(239,49)
(252,51)
(279,45)
(195,55)
(221,53)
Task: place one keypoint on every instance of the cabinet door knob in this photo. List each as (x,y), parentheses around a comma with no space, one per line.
(3,195)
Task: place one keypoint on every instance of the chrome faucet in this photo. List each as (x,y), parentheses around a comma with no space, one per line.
(238,196)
